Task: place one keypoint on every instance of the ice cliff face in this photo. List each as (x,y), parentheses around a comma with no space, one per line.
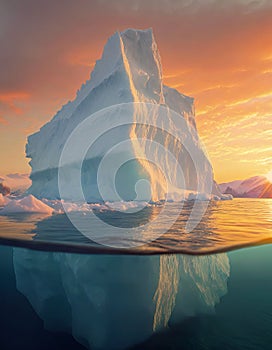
(129,72)
(117,301)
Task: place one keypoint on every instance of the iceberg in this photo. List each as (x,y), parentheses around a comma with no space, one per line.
(144,127)
(117,301)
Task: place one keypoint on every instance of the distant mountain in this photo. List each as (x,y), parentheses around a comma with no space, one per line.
(4,190)
(254,187)
(16,183)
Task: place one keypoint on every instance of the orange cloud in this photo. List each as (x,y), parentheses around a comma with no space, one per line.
(3,120)
(11,99)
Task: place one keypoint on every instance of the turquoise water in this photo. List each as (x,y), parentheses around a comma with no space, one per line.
(59,290)
(243,317)
(238,314)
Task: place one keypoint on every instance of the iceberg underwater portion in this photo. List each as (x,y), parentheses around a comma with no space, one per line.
(125,122)
(116,301)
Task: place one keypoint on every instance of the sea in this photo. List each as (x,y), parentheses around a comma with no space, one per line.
(208,288)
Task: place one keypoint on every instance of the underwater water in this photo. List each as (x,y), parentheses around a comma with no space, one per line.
(59,290)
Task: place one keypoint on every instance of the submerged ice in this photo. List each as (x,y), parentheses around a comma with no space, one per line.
(128,82)
(116,301)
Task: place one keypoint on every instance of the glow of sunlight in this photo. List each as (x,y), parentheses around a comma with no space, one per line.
(269,176)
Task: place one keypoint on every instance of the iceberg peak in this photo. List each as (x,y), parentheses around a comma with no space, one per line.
(128,73)
(142,62)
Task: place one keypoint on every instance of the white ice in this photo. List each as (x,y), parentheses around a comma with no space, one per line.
(130,70)
(28,204)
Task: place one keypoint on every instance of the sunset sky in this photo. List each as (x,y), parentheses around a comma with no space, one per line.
(219,52)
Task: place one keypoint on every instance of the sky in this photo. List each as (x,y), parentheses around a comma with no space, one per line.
(217,51)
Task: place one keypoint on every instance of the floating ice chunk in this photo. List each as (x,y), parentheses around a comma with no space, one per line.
(198,197)
(60,205)
(28,204)
(127,206)
(226,197)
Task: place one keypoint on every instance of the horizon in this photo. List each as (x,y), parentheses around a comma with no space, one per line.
(232,91)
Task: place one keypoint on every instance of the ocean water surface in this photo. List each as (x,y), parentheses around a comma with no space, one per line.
(207,289)
(226,225)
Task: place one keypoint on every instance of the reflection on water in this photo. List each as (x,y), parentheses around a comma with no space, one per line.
(225,225)
(116,301)
(166,292)
(19,226)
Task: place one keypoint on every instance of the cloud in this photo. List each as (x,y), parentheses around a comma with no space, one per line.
(3,120)
(173,6)
(18,176)
(12,100)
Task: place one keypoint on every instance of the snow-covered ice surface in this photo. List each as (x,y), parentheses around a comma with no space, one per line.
(18,183)
(28,204)
(128,74)
(61,206)
(114,302)
(254,187)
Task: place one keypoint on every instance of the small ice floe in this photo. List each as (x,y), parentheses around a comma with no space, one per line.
(226,197)
(60,206)
(198,196)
